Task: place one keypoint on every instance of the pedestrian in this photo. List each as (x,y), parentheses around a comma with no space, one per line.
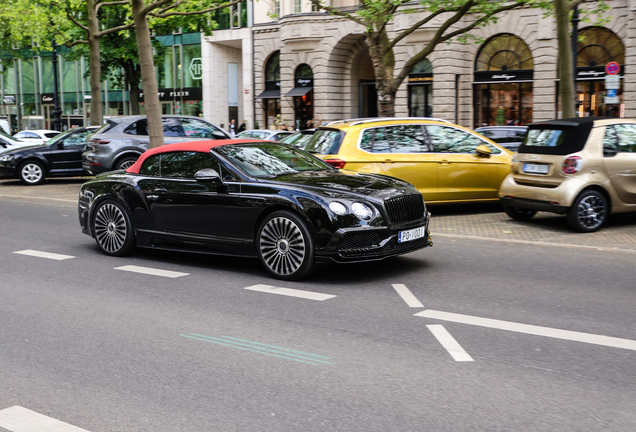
(241,127)
(233,128)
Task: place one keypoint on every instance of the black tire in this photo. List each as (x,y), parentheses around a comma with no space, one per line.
(518,213)
(112,229)
(126,162)
(589,211)
(285,246)
(32,173)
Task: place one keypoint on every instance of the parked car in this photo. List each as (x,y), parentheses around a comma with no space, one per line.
(253,199)
(298,139)
(444,161)
(509,137)
(582,167)
(7,142)
(264,134)
(59,157)
(39,136)
(119,143)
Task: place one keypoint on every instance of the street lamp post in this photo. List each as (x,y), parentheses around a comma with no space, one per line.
(57,111)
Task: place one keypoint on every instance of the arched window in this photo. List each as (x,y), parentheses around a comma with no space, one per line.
(598,46)
(503,82)
(270,97)
(272,67)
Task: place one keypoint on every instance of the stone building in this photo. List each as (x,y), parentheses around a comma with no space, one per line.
(310,65)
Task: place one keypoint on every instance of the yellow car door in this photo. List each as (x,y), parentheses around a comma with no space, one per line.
(401,151)
(464,174)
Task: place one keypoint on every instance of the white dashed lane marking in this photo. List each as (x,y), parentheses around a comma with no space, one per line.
(19,419)
(41,254)
(151,271)
(407,295)
(290,292)
(449,342)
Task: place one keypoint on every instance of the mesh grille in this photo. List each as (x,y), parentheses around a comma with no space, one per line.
(405,208)
(391,247)
(358,242)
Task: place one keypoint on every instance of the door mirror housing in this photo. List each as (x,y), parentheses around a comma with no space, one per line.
(208,175)
(483,151)
(219,135)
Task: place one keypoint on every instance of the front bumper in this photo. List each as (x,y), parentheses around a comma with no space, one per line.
(372,244)
(8,171)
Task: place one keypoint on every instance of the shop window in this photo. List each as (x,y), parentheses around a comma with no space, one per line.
(420,85)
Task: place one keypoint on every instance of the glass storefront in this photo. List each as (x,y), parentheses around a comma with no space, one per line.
(503,82)
(270,97)
(303,95)
(420,86)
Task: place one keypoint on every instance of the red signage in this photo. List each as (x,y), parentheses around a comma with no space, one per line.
(612,68)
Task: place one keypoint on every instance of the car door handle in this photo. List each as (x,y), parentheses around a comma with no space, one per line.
(160,191)
(444,162)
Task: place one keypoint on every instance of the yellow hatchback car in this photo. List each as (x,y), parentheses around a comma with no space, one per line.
(445,162)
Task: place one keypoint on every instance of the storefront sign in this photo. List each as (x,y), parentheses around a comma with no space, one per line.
(8,99)
(304,82)
(488,77)
(597,72)
(196,69)
(189,93)
(47,98)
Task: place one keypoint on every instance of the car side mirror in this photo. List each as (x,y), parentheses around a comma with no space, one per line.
(60,145)
(208,175)
(218,135)
(483,151)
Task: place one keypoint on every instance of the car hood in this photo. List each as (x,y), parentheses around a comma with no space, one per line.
(335,184)
(19,148)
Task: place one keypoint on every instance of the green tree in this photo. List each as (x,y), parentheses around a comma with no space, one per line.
(458,18)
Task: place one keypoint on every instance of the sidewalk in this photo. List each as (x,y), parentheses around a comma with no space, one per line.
(474,221)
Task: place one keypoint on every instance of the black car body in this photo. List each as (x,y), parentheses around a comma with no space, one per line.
(59,157)
(240,198)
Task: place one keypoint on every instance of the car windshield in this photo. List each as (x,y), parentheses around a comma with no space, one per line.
(324,141)
(57,138)
(297,139)
(270,160)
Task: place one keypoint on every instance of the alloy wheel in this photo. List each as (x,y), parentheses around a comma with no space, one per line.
(591,212)
(110,228)
(32,173)
(282,246)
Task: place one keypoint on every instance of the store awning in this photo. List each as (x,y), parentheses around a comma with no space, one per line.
(299,91)
(269,94)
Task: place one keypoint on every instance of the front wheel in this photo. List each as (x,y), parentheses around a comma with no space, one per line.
(125,163)
(285,247)
(32,173)
(518,213)
(589,211)
(112,229)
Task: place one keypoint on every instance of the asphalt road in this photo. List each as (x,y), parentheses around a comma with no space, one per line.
(482,332)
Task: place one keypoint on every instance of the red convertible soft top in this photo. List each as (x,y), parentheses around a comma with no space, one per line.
(195,146)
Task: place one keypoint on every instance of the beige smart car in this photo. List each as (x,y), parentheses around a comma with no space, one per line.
(582,167)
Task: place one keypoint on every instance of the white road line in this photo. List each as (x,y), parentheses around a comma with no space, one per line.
(449,342)
(407,295)
(41,254)
(538,243)
(38,198)
(151,271)
(531,329)
(290,292)
(18,419)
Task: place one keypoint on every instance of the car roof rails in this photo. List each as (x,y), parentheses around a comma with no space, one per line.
(371,120)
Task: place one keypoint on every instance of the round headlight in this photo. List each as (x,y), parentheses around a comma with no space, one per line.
(363,211)
(338,208)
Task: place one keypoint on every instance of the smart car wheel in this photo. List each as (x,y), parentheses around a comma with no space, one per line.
(285,246)
(112,228)
(32,173)
(589,211)
(125,163)
(518,213)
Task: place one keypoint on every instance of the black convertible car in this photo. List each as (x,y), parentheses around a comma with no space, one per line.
(253,199)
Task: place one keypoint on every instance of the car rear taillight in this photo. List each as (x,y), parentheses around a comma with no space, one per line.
(336,163)
(572,165)
(98,141)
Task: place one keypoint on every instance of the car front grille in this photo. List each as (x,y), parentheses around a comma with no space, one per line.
(405,208)
(358,243)
(364,247)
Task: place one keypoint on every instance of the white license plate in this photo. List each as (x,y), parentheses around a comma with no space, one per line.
(410,235)
(536,168)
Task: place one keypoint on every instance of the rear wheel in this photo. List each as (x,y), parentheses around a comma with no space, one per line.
(285,246)
(32,173)
(518,213)
(126,162)
(113,230)
(589,211)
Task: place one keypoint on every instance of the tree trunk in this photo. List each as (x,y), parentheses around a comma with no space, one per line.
(94,64)
(566,78)
(148,76)
(133,78)
(383,67)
